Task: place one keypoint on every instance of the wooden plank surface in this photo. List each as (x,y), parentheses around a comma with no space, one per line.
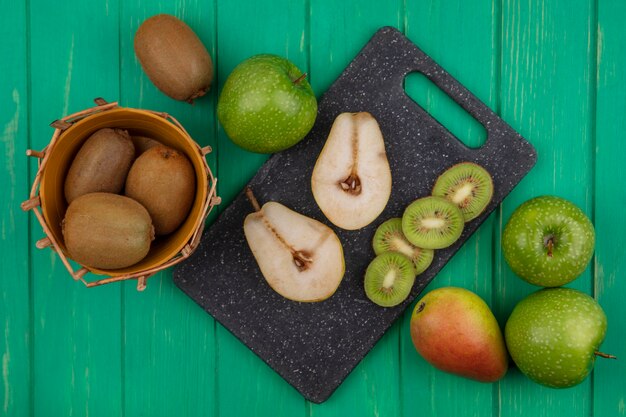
(166,339)
(547,88)
(15,246)
(554,70)
(338,31)
(609,379)
(434,25)
(76,346)
(245,384)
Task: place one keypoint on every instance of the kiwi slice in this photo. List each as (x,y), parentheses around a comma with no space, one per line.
(389,279)
(389,238)
(432,223)
(467,185)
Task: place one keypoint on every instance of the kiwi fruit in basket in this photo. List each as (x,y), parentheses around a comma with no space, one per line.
(389,279)
(163,180)
(143,143)
(468,185)
(389,238)
(107,231)
(101,164)
(432,223)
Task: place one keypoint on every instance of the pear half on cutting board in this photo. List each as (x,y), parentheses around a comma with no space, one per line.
(351,181)
(300,258)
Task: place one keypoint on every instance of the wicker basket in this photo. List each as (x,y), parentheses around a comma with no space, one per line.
(48,203)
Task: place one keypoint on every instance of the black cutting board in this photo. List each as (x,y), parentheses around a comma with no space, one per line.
(314,346)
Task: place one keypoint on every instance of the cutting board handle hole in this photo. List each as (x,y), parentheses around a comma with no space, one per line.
(445,110)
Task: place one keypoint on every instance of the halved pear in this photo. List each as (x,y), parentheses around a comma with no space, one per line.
(351,181)
(300,258)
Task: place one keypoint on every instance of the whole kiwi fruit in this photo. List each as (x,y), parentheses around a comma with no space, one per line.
(101,164)
(163,180)
(107,231)
(143,143)
(173,57)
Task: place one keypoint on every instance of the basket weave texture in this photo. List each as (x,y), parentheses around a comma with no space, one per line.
(206,199)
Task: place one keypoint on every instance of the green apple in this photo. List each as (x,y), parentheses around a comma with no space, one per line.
(548,241)
(267,104)
(553,336)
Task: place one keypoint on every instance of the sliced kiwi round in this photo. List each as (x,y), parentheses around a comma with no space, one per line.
(432,223)
(467,185)
(389,238)
(389,279)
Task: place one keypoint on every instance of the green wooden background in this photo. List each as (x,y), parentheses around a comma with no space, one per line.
(554,69)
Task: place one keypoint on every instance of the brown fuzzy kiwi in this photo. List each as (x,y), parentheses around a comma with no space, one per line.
(163,180)
(173,57)
(468,185)
(107,231)
(101,164)
(143,143)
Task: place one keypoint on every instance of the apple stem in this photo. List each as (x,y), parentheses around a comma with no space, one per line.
(604,355)
(252,199)
(550,246)
(299,79)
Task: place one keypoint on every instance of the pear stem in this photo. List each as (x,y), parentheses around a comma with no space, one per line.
(299,79)
(300,259)
(252,199)
(604,355)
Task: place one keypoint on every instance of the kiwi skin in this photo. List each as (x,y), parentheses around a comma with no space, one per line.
(399,283)
(389,238)
(163,180)
(107,231)
(437,209)
(475,183)
(143,143)
(173,57)
(101,164)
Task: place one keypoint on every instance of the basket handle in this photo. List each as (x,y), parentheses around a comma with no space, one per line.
(67,121)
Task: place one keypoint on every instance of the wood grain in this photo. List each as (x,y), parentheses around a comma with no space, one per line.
(77,338)
(245,384)
(338,31)
(472,31)
(15,274)
(609,377)
(167,341)
(546,91)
